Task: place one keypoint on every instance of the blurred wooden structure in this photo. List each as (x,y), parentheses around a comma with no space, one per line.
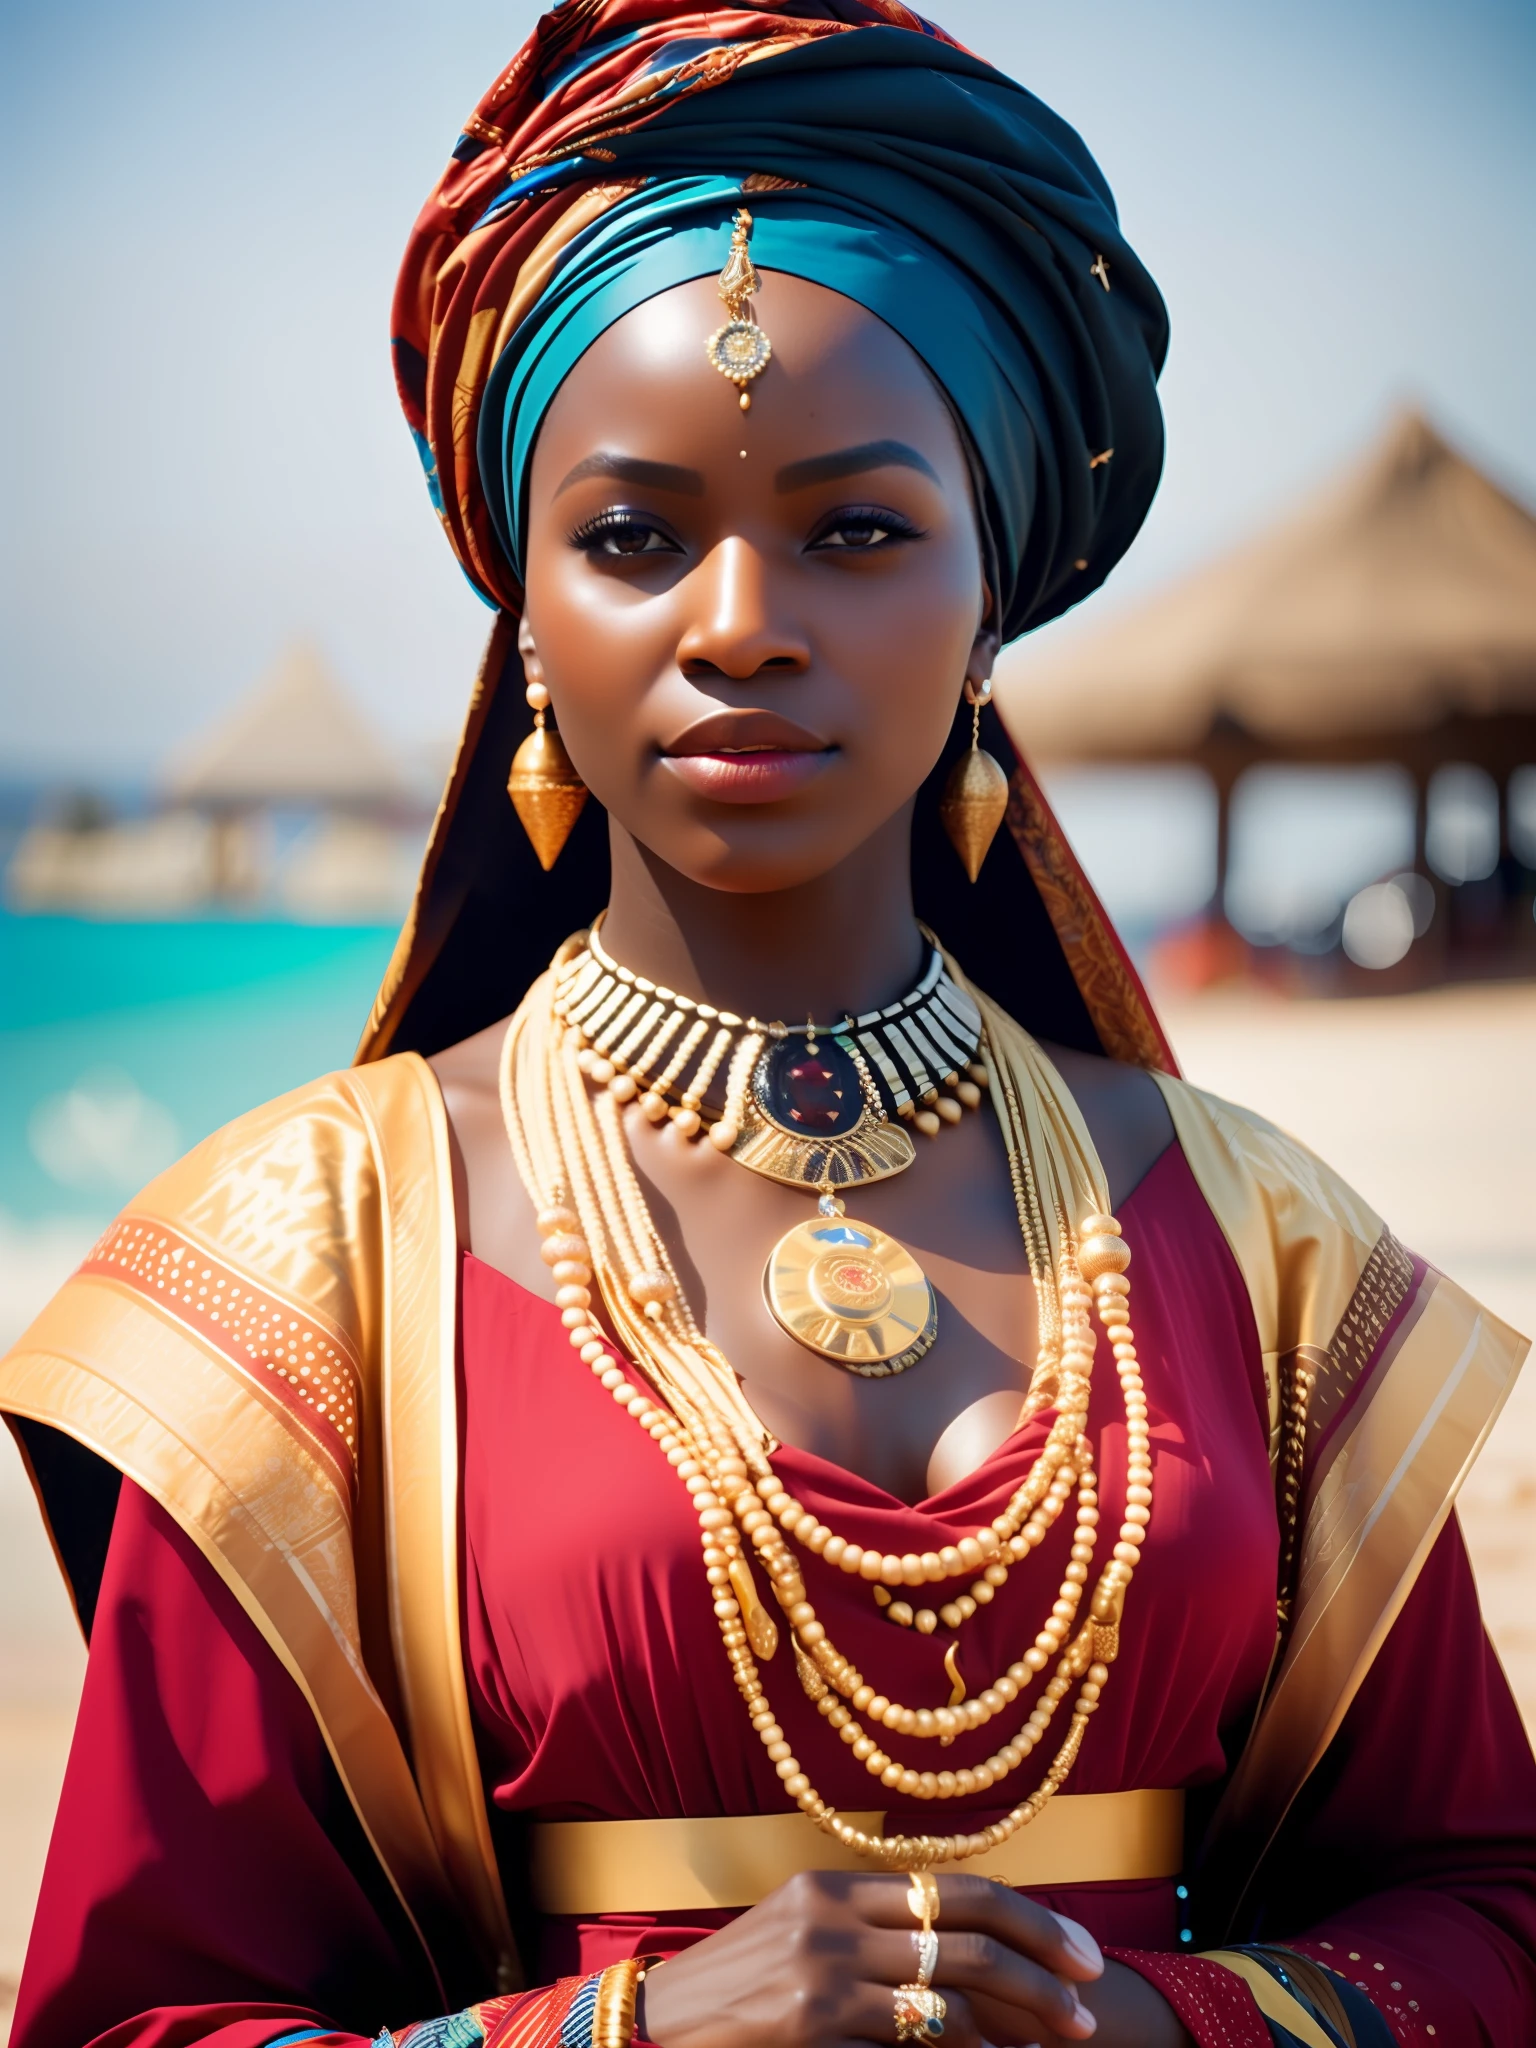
(1392,618)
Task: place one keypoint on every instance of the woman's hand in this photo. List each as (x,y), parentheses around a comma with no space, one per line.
(817,1964)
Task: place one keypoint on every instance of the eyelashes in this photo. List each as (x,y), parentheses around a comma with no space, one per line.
(862,529)
(851,529)
(621,532)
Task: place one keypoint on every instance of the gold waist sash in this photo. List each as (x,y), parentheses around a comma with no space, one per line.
(590,1867)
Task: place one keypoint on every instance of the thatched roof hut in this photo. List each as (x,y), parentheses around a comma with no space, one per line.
(297,740)
(1391,618)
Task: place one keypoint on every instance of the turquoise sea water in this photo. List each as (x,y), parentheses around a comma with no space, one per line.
(123,1044)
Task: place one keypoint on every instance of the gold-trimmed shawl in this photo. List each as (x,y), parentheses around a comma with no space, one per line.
(1384,1380)
(265,1341)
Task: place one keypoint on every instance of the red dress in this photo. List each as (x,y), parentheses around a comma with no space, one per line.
(207,1881)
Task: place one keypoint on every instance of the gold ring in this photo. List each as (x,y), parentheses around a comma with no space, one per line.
(923,1896)
(919,2013)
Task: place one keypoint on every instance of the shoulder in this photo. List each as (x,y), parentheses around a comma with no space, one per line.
(300,1149)
(1124,1111)
(1240,1156)
(495,1214)
(292,1203)
(468,1073)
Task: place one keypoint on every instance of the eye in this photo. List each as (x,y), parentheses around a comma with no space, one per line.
(861,529)
(619,532)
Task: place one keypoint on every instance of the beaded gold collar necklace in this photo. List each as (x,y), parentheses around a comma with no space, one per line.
(822,1107)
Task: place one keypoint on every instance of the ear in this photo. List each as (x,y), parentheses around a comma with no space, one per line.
(533,668)
(984,648)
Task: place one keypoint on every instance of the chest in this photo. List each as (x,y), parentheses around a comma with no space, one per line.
(953,1210)
(587,1594)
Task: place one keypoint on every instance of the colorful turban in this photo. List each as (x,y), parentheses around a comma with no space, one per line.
(879,159)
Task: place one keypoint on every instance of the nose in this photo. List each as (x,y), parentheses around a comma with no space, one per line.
(735,629)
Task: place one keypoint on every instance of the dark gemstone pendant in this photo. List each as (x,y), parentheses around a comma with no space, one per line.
(812,1094)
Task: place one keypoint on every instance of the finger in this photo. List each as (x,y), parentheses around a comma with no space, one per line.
(1081,1944)
(984,1967)
(1029,2029)
(986,1907)
(872,2015)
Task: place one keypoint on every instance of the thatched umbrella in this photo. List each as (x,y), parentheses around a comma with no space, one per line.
(1391,619)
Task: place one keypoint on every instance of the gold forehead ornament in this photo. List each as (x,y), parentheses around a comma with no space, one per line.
(739,350)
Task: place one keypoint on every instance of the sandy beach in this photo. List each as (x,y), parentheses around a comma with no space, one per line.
(1426,1103)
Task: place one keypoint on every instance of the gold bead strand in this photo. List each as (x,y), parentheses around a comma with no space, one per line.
(564,1247)
(1104,1257)
(946,1723)
(627,1082)
(686,1120)
(724,1134)
(698,1087)
(841,1674)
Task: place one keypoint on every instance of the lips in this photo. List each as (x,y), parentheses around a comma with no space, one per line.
(747,757)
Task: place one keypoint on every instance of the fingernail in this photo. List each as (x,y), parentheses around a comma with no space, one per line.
(1086,2016)
(1081,1944)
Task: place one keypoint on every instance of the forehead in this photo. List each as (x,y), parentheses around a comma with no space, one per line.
(838,375)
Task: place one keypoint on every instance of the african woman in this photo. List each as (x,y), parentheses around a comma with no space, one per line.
(760,1470)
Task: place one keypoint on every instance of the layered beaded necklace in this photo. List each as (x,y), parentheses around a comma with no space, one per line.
(565,1127)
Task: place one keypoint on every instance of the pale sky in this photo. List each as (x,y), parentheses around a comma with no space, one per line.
(205,206)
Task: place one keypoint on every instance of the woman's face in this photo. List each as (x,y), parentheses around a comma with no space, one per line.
(755,627)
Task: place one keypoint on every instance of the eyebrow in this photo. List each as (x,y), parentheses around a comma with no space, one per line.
(631,469)
(826,469)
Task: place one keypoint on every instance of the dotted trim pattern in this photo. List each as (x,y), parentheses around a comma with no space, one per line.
(306,1367)
(1381,1983)
(1215,2005)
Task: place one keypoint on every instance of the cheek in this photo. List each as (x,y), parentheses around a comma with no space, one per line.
(902,640)
(601,646)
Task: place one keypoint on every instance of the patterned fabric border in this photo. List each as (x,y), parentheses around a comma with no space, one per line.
(302,1368)
(1216,2008)
(1262,1997)
(556,2016)
(1402,2016)
(1317,1387)
(1119,1012)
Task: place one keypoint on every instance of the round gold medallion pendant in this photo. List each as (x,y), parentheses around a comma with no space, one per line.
(852,1294)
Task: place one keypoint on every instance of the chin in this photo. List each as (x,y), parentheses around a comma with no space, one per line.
(742,864)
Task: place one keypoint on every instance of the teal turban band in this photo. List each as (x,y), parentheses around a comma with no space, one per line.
(949,202)
(679,229)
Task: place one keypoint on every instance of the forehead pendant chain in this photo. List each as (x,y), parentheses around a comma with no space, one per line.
(739,350)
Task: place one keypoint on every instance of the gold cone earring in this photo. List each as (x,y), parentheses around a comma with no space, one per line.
(975,798)
(545,789)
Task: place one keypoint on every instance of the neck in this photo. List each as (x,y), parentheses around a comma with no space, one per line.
(841,944)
